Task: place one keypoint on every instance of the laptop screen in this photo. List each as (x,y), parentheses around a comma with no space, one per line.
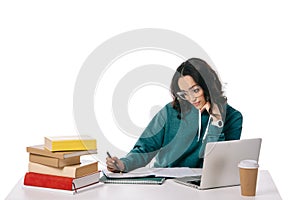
(220,167)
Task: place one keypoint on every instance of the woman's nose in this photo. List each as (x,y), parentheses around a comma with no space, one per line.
(192,98)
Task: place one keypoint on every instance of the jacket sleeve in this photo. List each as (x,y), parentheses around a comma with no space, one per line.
(233,125)
(231,131)
(148,144)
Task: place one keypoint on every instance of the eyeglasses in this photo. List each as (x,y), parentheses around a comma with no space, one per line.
(185,95)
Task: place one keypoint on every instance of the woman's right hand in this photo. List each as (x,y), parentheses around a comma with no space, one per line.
(114,163)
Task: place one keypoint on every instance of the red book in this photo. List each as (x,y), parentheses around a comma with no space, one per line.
(60,182)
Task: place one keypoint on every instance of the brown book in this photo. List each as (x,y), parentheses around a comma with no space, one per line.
(72,171)
(54,162)
(40,150)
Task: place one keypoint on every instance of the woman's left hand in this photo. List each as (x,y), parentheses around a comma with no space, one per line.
(215,112)
(206,107)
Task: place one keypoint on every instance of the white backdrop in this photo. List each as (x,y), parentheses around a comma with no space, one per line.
(254,45)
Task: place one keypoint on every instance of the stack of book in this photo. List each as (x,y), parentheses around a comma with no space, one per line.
(57,164)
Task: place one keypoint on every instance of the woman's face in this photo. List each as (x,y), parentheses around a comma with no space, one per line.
(191,91)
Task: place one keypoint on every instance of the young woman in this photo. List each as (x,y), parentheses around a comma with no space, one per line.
(178,133)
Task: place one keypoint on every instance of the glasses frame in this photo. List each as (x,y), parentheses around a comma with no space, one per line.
(185,95)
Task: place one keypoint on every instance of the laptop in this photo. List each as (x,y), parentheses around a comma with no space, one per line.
(220,165)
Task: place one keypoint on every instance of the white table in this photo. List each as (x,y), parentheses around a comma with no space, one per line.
(266,190)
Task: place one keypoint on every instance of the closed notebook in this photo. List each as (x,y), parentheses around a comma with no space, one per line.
(139,180)
(72,171)
(70,143)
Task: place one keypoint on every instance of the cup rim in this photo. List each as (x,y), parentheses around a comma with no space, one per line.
(248,164)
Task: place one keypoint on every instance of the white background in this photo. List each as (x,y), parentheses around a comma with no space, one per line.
(254,45)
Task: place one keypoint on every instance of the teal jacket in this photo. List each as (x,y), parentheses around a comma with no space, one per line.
(174,142)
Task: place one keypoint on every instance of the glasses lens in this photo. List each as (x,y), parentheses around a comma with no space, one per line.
(182,95)
(185,95)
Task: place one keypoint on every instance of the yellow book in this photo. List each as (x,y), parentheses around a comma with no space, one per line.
(70,143)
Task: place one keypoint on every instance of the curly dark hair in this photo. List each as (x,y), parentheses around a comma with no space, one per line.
(206,78)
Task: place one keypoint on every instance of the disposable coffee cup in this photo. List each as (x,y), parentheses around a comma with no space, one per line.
(248,177)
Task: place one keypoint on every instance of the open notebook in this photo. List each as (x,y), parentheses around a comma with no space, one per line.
(175,172)
(146,175)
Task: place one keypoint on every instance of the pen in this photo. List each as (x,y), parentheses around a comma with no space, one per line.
(115,164)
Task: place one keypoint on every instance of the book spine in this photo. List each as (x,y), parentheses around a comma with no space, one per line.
(48,181)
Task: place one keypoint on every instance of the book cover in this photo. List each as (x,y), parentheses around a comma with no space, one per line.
(73,171)
(41,150)
(54,162)
(68,192)
(60,182)
(138,180)
(70,143)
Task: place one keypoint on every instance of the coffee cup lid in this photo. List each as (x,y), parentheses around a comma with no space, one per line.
(248,164)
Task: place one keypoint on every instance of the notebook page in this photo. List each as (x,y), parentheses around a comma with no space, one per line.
(158,172)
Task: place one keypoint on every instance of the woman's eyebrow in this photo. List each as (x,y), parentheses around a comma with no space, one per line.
(193,86)
(189,88)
